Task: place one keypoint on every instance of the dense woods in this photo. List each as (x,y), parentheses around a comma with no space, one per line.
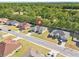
(63,15)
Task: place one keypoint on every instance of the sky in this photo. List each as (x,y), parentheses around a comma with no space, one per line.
(39,0)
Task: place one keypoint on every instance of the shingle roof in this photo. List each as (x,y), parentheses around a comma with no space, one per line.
(8,46)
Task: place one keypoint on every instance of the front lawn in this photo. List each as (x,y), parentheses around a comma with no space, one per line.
(71,44)
(2,33)
(60,55)
(44,37)
(25,31)
(25,48)
(13,28)
(1,39)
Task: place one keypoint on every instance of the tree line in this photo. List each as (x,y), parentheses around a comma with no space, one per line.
(63,15)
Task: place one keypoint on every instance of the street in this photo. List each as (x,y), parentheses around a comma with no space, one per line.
(66,51)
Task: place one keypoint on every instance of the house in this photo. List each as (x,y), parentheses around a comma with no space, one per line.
(39,29)
(9,47)
(13,23)
(34,53)
(24,25)
(60,35)
(3,20)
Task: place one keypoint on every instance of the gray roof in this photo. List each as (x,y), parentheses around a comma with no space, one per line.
(34,53)
(60,32)
(12,22)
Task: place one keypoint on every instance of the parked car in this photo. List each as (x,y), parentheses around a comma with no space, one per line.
(9,30)
(0,29)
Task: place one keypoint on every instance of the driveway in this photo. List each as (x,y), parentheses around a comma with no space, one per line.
(66,51)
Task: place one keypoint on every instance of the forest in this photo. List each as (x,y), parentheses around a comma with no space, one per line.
(62,15)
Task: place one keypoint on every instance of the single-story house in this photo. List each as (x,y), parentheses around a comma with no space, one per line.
(57,33)
(3,20)
(39,29)
(24,25)
(34,53)
(13,23)
(60,35)
(9,47)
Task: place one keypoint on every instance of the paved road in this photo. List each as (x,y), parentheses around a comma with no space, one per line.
(66,51)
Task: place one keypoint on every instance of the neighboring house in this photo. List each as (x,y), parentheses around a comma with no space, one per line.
(34,53)
(3,20)
(39,29)
(9,47)
(23,26)
(60,35)
(13,23)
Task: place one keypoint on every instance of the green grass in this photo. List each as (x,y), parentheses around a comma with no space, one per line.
(2,33)
(71,44)
(13,28)
(1,39)
(25,47)
(25,31)
(44,37)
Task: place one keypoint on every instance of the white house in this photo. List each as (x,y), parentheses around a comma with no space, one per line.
(39,29)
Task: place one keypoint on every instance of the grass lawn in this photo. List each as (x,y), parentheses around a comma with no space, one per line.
(71,44)
(13,28)
(25,31)
(2,33)
(44,37)
(1,39)
(17,29)
(60,55)
(25,47)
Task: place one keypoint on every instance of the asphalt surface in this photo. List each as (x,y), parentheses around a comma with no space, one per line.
(66,51)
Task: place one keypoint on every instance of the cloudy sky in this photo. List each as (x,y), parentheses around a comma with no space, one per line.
(39,0)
